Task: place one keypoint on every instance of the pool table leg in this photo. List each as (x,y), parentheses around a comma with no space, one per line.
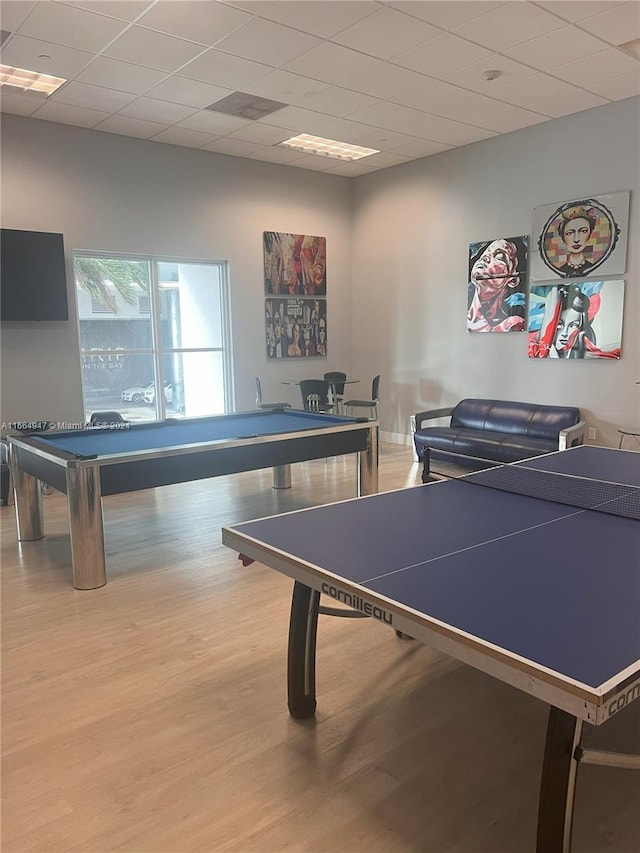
(282,477)
(28,500)
(368,465)
(84,501)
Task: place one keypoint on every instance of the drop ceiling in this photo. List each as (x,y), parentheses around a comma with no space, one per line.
(409,77)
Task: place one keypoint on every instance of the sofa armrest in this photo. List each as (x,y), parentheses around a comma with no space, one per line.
(418,419)
(572,436)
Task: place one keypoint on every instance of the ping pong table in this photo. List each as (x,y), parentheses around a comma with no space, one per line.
(540,589)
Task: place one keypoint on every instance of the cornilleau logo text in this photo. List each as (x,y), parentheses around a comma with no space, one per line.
(356,602)
(624,699)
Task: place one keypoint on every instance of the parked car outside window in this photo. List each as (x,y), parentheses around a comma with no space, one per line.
(146,394)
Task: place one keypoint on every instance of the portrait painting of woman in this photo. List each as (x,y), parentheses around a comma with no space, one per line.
(578,237)
(496,285)
(577,320)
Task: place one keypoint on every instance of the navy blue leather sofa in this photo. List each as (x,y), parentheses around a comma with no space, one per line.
(497,430)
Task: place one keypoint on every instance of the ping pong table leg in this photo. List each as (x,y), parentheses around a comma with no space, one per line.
(301,664)
(557,787)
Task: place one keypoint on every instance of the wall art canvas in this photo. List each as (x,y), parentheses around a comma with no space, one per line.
(295,264)
(496,285)
(296,328)
(580,238)
(577,319)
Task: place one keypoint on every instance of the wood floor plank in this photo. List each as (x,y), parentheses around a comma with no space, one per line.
(150,716)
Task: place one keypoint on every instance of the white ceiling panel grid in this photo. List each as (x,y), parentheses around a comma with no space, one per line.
(409,77)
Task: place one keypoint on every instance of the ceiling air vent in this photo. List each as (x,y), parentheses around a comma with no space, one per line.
(243,105)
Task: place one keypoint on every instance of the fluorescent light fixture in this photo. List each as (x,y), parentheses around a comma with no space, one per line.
(29,81)
(327,147)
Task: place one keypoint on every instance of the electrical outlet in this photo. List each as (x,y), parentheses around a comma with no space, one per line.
(591,433)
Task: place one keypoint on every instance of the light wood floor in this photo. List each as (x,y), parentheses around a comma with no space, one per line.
(150,715)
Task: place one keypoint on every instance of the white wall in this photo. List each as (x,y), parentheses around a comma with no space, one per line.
(113,193)
(397,244)
(413,225)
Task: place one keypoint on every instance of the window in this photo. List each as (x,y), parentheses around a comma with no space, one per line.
(147,324)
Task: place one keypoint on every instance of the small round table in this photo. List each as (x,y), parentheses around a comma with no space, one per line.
(624,432)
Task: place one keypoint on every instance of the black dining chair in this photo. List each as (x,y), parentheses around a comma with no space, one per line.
(371,404)
(336,380)
(260,404)
(315,395)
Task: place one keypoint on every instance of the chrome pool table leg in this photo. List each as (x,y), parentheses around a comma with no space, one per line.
(27,498)
(84,501)
(282,477)
(368,465)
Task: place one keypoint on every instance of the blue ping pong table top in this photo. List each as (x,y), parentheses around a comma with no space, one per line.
(550,583)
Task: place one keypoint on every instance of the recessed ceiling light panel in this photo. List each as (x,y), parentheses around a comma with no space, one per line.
(31,82)
(327,147)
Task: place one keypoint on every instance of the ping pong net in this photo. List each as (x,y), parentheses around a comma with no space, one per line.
(568,489)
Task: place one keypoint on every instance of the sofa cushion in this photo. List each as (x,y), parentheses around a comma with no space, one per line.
(482,444)
(530,419)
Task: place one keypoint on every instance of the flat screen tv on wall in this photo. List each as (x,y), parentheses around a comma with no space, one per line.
(33,281)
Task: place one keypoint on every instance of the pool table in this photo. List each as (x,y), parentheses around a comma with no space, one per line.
(86,464)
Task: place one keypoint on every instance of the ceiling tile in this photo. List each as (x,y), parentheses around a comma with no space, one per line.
(386,33)
(353,169)
(76,116)
(261,134)
(385,159)
(555,48)
(617,88)
(227,145)
(573,102)
(205,23)
(192,93)
(576,10)
(151,109)
(330,62)
(598,66)
(420,124)
(472,77)
(232,72)
(17,104)
(285,87)
(275,154)
(313,162)
(383,80)
(528,92)
(256,7)
(71,27)
(421,148)
(430,95)
(510,24)
(617,25)
(93,97)
(338,102)
(183,136)
(298,120)
(159,51)
(446,53)
(14,12)
(215,124)
(114,74)
(264,41)
(320,19)
(124,10)
(130,126)
(62,61)
(345,130)
(444,13)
